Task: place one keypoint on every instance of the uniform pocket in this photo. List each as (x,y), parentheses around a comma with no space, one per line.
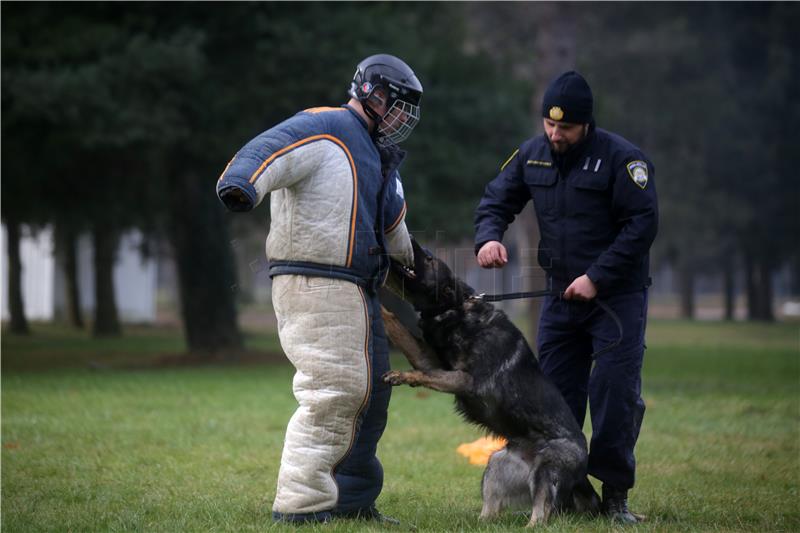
(591,181)
(542,185)
(590,196)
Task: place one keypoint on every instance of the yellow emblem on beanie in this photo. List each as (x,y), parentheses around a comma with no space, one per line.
(556,113)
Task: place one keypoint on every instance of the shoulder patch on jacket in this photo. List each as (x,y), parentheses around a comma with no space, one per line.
(637,170)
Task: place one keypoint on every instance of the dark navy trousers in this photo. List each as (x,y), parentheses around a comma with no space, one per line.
(569,332)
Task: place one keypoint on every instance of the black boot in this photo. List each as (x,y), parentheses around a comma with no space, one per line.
(615,506)
(368,513)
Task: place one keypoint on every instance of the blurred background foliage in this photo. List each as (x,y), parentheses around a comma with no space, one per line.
(122,115)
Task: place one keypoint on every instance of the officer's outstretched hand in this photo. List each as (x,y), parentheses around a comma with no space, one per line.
(492,255)
(581,289)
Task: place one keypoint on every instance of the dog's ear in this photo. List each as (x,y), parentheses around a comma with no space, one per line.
(419,250)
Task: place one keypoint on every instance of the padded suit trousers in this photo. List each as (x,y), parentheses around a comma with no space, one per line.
(332,332)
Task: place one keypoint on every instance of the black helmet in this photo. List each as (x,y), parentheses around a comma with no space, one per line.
(399,89)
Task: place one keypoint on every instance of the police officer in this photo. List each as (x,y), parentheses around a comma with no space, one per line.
(596,205)
(337,212)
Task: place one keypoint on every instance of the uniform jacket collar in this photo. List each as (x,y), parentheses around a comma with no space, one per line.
(568,160)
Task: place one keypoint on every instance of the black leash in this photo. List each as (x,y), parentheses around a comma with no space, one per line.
(548,292)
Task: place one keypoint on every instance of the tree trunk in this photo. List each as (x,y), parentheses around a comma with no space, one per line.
(758,276)
(16,307)
(750,289)
(686,288)
(66,252)
(205,266)
(763,288)
(729,289)
(106,319)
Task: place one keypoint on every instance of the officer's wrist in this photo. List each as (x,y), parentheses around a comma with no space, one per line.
(594,277)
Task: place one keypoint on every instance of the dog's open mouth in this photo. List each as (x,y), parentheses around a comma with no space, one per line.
(407,271)
(403,271)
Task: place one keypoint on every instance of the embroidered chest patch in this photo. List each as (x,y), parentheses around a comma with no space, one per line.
(637,170)
(538,163)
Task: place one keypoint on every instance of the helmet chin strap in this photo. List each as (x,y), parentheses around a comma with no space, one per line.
(376,118)
(371,113)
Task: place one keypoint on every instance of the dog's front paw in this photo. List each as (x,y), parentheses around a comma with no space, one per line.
(394,377)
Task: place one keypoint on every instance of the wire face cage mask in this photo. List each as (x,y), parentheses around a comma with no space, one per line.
(390,95)
(398,123)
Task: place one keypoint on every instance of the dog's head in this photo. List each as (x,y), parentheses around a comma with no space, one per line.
(430,286)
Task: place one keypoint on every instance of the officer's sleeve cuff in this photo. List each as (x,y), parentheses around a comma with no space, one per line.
(594,275)
(484,238)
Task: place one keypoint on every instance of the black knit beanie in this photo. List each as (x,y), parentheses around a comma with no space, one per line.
(568,99)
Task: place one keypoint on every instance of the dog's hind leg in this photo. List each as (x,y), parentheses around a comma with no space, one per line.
(491,491)
(416,351)
(544,488)
(452,381)
(584,498)
(505,483)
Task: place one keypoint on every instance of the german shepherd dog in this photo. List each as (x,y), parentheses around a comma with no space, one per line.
(472,350)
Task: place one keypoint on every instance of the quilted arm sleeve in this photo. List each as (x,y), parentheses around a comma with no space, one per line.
(398,241)
(277,158)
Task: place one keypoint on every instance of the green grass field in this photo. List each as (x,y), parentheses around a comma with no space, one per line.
(102,436)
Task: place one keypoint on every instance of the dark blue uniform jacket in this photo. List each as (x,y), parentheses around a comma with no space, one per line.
(596,206)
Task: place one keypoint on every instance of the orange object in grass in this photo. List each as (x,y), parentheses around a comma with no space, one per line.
(479,451)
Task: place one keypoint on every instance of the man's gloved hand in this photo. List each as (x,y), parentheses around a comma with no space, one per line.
(235,199)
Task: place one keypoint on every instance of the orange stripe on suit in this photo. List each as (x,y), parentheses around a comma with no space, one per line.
(398,220)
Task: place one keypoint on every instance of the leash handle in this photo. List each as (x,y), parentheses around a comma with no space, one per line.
(610,312)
